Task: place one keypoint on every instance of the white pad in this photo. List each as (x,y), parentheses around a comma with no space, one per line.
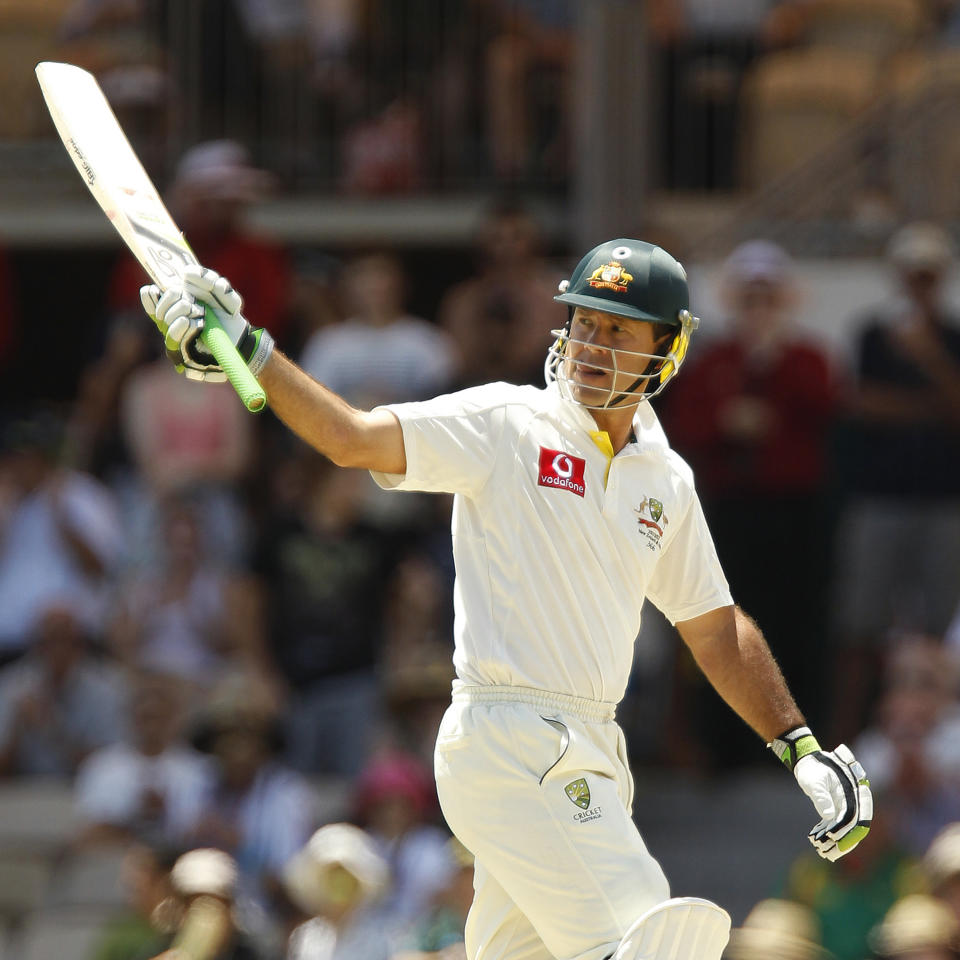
(684,928)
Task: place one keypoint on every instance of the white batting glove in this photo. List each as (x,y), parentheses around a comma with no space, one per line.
(838,786)
(179,315)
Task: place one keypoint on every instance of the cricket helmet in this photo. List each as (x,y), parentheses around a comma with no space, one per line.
(639,281)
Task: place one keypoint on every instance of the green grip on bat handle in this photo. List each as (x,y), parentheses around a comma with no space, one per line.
(216,340)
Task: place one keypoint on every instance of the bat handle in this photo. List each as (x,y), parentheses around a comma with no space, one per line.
(216,340)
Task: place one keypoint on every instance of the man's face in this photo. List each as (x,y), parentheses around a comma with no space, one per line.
(924,286)
(604,354)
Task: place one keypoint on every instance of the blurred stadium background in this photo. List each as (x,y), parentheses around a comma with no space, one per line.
(208,638)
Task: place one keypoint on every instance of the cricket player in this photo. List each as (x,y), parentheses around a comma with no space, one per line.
(570,508)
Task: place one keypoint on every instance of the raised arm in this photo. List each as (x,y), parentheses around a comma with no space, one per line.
(349,437)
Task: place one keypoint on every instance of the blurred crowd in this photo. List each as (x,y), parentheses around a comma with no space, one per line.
(203,624)
(394,96)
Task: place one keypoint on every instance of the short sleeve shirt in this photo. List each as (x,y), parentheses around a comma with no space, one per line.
(556,544)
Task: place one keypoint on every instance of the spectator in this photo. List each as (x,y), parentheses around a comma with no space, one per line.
(384,153)
(325,568)
(257,810)
(94,440)
(913,745)
(848,898)
(381,350)
(753,421)
(205,884)
(144,928)
(379,353)
(214,186)
(59,702)
(918,927)
(777,930)
(185,440)
(117,40)
(150,786)
(315,297)
(500,317)
(336,880)
(703,50)
(61,537)
(189,618)
(396,802)
(941,867)
(416,661)
(529,79)
(901,466)
(439,934)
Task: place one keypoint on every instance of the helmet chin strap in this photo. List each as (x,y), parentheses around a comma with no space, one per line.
(630,391)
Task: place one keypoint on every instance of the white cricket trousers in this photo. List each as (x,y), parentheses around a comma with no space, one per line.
(537,786)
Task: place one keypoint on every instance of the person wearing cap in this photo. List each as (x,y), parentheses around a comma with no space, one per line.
(918,927)
(777,930)
(753,417)
(204,883)
(899,466)
(941,867)
(336,881)
(570,509)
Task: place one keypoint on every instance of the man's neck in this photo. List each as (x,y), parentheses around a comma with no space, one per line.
(618,425)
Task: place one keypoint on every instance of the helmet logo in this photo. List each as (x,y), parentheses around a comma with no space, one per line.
(611,276)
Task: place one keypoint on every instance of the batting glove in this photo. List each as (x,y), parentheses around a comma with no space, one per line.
(179,315)
(838,786)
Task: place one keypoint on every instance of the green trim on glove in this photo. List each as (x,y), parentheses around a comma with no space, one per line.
(794,745)
(851,839)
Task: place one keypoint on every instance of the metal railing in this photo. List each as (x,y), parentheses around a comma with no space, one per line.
(898,161)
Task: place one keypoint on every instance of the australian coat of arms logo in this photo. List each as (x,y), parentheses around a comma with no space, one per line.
(579,792)
(611,276)
(649,516)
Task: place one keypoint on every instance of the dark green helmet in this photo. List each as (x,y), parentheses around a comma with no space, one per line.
(629,278)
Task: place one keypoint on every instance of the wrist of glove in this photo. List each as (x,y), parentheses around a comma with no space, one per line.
(181,313)
(837,785)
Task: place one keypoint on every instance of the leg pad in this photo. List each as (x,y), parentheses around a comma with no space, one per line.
(685,928)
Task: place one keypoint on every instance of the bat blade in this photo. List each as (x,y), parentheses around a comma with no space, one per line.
(114,175)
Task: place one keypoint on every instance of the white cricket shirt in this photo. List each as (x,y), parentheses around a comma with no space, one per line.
(556,545)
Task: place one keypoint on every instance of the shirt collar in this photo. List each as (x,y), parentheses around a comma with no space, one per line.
(646,426)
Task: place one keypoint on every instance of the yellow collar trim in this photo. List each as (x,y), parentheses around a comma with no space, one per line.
(602,439)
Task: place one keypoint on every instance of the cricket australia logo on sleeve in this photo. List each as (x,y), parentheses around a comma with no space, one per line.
(559,469)
(651,520)
(578,792)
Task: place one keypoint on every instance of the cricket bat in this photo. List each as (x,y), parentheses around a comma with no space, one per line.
(116,178)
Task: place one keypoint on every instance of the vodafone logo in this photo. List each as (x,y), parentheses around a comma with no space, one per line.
(560,470)
(562,466)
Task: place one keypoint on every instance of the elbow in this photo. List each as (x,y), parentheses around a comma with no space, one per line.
(343,445)
(343,455)
(350,452)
